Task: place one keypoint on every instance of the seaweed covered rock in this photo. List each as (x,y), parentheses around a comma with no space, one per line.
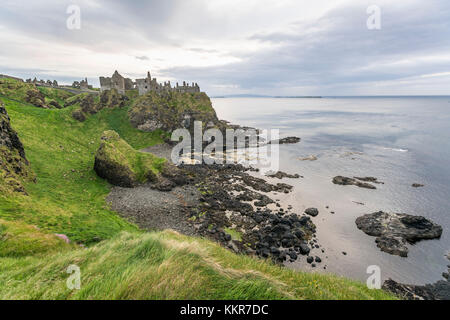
(121,165)
(14,167)
(169,111)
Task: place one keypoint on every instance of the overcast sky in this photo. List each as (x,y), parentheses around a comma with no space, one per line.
(277,47)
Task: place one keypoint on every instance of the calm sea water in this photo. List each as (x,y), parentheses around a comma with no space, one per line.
(400,141)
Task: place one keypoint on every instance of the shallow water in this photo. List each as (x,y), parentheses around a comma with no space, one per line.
(400,141)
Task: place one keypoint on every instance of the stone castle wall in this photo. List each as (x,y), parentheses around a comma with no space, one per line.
(145,85)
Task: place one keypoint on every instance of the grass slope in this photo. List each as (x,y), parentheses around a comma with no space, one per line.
(68,197)
(166,265)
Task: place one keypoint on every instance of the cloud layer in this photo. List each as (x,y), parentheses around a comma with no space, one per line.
(284,47)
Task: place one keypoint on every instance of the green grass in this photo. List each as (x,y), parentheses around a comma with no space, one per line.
(166,265)
(18,239)
(235,235)
(141,166)
(57,95)
(68,197)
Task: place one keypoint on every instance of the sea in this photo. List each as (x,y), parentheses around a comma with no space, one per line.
(399,140)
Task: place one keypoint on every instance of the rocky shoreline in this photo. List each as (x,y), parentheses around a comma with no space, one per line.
(231,205)
(226,203)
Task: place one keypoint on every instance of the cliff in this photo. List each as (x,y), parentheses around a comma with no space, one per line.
(14,166)
(169,111)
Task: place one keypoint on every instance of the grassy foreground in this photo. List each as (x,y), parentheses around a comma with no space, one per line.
(166,265)
(117,260)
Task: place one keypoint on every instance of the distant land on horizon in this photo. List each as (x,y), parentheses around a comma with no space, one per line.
(322,97)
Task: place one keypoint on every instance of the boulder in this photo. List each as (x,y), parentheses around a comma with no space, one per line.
(395,230)
(121,165)
(313,212)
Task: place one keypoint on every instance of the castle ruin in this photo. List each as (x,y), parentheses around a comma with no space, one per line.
(145,85)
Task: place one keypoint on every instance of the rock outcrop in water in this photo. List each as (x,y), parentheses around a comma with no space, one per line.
(395,230)
(345,181)
(288,140)
(281,175)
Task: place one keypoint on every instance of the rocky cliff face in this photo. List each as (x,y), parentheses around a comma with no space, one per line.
(14,167)
(91,105)
(169,111)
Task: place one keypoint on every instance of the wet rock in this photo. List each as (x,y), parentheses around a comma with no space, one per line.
(417,185)
(369,179)
(395,230)
(437,291)
(345,181)
(280,175)
(304,249)
(288,140)
(310,259)
(312,212)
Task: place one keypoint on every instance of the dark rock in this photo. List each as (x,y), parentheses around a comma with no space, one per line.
(312,212)
(14,166)
(304,249)
(417,185)
(318,260)
(345,181)
(288,140)
(369,179)
(281,175)
(395,230)
(437,291)
(310,259)
(293,255)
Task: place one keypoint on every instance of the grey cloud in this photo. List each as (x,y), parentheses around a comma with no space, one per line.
(332,55)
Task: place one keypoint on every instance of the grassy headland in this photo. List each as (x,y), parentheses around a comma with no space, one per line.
(117,260)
